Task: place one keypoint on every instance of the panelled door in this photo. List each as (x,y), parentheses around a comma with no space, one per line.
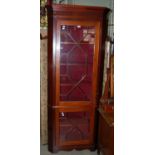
(77,48)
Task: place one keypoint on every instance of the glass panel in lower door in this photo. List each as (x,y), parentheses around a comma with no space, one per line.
(74,126)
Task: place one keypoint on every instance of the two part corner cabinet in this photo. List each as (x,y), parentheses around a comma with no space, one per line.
(76,36)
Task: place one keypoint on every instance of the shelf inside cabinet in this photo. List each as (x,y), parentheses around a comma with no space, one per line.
(67,122)
(77,43)
(72,84)
(77,63)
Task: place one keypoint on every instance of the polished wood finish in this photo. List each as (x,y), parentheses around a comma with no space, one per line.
(106,114)
(73,15)
(106,133)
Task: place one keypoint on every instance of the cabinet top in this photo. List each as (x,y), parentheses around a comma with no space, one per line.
(78,8)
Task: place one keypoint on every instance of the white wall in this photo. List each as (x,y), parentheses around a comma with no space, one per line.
(105,3)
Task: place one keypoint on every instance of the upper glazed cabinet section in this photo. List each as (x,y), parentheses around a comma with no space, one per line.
(76,62)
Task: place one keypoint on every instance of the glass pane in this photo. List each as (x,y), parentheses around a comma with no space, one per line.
(76,62)
(74,126)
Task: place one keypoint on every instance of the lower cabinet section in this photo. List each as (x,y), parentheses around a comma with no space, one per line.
(73,128)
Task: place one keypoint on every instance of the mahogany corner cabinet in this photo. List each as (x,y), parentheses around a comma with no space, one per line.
(76,36)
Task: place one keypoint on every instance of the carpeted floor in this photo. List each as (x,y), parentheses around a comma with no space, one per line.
(44,151)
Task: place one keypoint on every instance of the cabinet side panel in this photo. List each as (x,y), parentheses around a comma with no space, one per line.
(103,34)
(51,83)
